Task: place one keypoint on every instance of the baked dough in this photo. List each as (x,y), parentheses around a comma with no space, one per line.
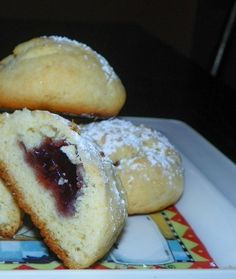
(64,183)
(60,75)
(149,166)
(10,214)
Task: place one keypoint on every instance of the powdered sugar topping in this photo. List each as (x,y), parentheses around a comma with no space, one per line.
(115,134)
(107,69)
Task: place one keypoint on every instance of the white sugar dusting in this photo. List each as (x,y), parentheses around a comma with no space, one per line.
(107,69)
(60,39)
(115,134)
(62,181)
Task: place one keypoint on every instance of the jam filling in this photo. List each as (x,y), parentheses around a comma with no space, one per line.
(56,173)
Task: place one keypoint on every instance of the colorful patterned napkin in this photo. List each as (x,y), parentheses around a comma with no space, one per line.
(155,241)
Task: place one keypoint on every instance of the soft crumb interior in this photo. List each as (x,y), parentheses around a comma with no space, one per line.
(100,210)
(9,211)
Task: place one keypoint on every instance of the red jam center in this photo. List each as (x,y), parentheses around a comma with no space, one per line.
(55,171)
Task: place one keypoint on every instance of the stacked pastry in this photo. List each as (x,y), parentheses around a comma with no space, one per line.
(77,183)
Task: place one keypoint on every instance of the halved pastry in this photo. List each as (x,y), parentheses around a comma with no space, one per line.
(10,214)
(64,183)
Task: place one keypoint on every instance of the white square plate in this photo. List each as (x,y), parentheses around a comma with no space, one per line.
(208,204)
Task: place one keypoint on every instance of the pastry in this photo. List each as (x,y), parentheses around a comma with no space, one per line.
(149,166)
(60,75)
(10,214)
(64,183)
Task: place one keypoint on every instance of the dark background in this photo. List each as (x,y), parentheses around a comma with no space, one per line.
(162,50)
(192,27)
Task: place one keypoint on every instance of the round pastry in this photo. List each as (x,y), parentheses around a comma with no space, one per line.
(10,214)
(60,75)
(149,166)
(64,183)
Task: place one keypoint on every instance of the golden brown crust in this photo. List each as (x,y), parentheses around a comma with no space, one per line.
(8,102)
(60,75)
(100,209)
(10,212)
(9,233)
(149,166)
